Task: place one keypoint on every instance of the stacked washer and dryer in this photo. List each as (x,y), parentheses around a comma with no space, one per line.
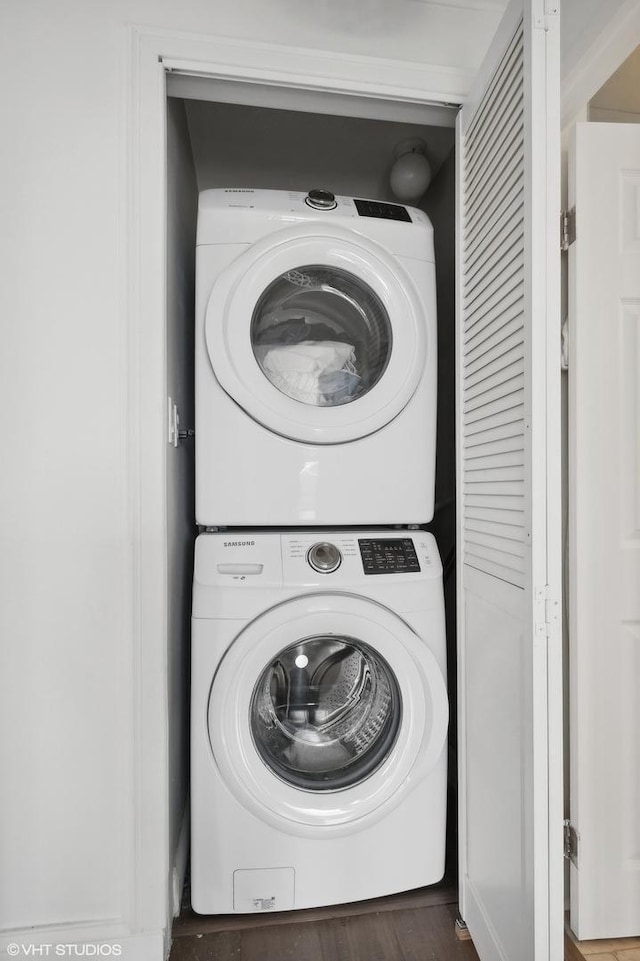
(319,705)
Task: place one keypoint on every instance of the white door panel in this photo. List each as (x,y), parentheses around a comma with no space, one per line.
(496,791)
(604,498)
(510,727)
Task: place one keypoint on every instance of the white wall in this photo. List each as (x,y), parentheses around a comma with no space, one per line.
(66,562)
(618,100)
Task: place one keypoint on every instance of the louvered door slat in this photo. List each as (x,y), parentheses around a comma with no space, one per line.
(499,132)
(505,335)
(504,393)
(475,262)
(503,172)
(512,458)
(498,162)
(494,362)
(508,531)
(511,308)
(500,384)
(492,545)
(490,211)
(487,448)
(497,570)
(498,265)
(509,434)
(493,350)
(491,298)
(503,558)
(485,315)
(505,414)
(494,91)
(495,502)
(503,214)
(488,519)
(490,107)
(508,419)
(495,488)
(485,476)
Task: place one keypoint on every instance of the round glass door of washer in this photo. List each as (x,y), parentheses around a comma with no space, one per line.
(325,713)
(321,335)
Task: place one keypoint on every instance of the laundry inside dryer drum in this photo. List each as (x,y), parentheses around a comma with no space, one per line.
(321,335)
(325,713)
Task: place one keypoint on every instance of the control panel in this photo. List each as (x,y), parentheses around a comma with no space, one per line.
(344,559)
(388,555)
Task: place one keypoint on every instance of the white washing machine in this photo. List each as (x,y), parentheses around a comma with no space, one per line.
(319,719)
(315,361)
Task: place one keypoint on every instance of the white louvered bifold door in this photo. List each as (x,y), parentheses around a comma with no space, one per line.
(508,436)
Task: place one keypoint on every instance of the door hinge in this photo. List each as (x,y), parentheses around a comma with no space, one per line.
(545,11)
(546,611)
(564,345)
(570,842)
(175,432)
(567,228)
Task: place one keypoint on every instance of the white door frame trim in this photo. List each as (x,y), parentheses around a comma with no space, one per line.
(152,52)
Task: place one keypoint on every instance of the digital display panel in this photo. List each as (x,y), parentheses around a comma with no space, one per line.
(371,208)
(388,556)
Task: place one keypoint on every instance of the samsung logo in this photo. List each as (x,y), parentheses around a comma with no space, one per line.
(241,190)
(239,544)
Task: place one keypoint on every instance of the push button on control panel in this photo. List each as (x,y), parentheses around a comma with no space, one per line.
(392,556)
(324,557)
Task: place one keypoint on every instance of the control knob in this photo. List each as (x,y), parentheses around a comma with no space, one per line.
(325,558)
(321,199)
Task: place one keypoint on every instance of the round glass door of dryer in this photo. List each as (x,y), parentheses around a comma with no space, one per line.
(321,335)
(325,713)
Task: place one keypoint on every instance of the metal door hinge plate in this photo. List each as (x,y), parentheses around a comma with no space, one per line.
(544,11)
(570,842)
(546,611)
(175,432)
(567,228)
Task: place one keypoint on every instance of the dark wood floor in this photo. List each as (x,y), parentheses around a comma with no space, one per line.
(417,926)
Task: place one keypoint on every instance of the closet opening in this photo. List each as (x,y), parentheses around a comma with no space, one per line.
(246,136)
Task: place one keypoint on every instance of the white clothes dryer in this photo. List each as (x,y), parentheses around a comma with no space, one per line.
(319,719)
(315,361)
